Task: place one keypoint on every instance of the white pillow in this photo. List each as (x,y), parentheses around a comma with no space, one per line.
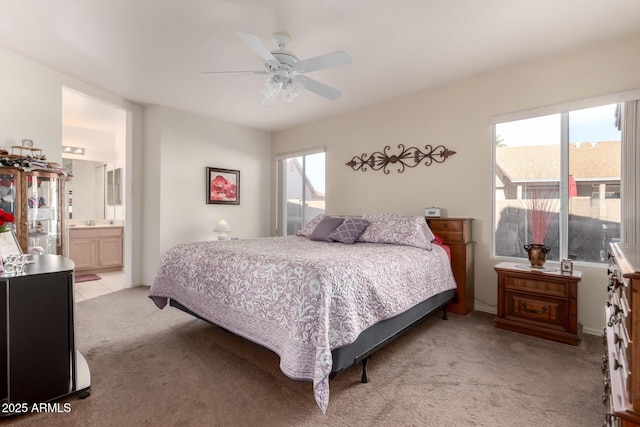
(408,230)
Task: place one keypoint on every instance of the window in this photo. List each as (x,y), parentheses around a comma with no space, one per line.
(567,166)
(301,181)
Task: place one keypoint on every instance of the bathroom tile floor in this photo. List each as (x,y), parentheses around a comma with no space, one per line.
(109,282)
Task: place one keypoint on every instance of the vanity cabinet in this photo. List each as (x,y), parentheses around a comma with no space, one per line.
(35,198)
(96,249)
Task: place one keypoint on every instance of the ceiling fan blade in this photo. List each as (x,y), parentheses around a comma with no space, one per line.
(330,60)
(236,72)
(257,46)
(320,88)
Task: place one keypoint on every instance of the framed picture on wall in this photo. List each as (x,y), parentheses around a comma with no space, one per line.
(223,186)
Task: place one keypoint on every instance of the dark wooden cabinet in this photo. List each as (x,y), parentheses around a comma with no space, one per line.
(621,361)
(540,303)
(38,359)
(456,233)
(40,337)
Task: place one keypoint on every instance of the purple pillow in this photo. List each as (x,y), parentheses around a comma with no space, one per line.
(325,227)
(311,225)
(393,229)
(349,231)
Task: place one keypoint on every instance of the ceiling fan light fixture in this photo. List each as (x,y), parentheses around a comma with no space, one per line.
(273,85)
(292,90)
(287,95)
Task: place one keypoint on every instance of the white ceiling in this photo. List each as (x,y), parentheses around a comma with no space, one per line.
(153,51)
(82,111)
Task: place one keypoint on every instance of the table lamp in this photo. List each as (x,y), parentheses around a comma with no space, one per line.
(223,230)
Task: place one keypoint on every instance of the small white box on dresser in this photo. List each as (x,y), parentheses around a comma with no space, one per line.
(432,212)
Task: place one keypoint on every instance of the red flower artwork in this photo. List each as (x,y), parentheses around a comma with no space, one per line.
(222,189)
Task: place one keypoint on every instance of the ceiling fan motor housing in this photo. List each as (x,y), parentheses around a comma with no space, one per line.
(285,58)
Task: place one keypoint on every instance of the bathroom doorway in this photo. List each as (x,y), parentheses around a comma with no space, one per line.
(94,157)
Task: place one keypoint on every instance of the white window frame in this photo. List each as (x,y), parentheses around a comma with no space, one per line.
(564,110)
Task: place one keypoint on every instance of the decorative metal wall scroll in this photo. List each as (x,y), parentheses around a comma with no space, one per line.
(408,157)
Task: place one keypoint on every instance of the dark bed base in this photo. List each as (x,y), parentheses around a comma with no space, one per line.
(382,333)
(376,336)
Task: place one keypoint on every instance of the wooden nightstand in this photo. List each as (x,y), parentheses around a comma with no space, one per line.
(540,303)
(456,233)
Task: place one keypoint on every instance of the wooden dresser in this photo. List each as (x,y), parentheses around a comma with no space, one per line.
(621,362)
(539,303)
(456,233)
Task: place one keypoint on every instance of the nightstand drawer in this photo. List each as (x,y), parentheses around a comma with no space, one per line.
(516,283)
(445,225)
(451,230)
(449,237)
(543,310)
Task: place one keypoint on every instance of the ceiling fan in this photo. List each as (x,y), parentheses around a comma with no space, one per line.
(287,72)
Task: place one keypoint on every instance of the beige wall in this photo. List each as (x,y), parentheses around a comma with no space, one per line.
(178,148)
(166,155)
(457,116)
(31,108)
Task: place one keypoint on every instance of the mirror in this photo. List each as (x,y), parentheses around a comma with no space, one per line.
(114,195)
(94,191)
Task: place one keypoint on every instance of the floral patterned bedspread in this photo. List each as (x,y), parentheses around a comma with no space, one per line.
(297,297)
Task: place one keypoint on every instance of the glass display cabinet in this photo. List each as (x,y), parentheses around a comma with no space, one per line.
(35,198)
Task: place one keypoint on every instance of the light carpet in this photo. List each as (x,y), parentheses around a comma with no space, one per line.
(155,367)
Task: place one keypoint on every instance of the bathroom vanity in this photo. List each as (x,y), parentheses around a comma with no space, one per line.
(96,248)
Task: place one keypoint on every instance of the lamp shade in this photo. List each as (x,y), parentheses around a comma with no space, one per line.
(223,227)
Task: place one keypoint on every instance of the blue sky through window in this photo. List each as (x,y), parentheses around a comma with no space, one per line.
(589,125)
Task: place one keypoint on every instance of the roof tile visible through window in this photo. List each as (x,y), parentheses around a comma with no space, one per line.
(543,161)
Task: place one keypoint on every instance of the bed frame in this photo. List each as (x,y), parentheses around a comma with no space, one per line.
(376,336)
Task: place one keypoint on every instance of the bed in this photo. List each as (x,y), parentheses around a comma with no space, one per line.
(321,303)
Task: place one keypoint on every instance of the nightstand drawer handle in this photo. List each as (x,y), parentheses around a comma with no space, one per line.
(533,310)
